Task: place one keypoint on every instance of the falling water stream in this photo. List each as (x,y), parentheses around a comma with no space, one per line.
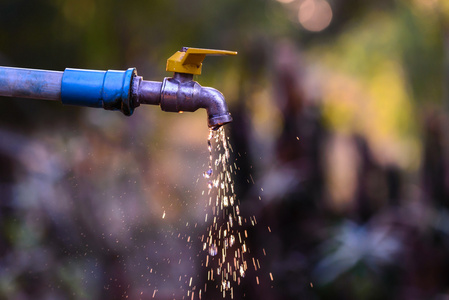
(224,242)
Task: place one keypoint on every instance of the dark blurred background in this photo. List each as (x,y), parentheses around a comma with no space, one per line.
(340,113)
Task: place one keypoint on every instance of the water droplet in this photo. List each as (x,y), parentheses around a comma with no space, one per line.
(242,272)
(237,210)
(231,200)
(231,241)
(226,244)
(213,250)
(218,271)
(231,221)
(208,173)
(225,201)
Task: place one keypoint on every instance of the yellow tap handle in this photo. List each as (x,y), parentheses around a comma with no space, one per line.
(190,61)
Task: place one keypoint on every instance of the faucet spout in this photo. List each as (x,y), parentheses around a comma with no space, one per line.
(215,104)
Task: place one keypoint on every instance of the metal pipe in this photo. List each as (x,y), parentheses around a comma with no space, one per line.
(29,83)
(115,90)
(146,92)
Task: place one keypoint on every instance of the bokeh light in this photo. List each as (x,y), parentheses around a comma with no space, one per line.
(315,15)
(285,1)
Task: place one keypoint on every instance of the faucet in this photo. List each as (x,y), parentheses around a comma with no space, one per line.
(181,93)
(124,90)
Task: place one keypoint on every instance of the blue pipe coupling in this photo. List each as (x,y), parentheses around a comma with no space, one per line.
(108,89)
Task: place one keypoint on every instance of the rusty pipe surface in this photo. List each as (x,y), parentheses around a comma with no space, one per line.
(30,83)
